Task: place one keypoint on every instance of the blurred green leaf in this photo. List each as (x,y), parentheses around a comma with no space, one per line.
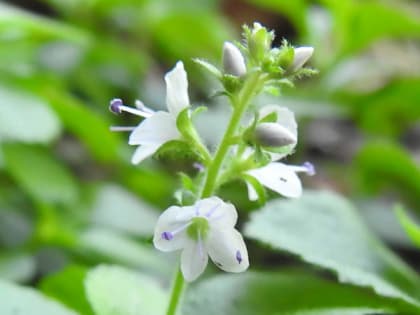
(324,229)
(91,128)
(39,174)
(113,290)
(26,118)
(67,286)
(411,228)
(19,300)
(386,165)
(359,23)
(17,267)
(119,209)
(282,293)
(20,23)
(114,247)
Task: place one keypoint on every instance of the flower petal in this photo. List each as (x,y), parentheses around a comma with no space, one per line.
(173,220)
(227,250)
(219,213)
(177,89)
(280,178)
(155,130)
(143,152)
(194,260)
(285,117)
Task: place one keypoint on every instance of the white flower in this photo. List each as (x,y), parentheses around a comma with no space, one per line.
(285,127)
(302,55)
(281,178)
(158,127)
(233,61)
(202,230)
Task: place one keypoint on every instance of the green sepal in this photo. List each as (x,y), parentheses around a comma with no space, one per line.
(261,158)
(185,197)
(231,83)
(270,118)
(189,133)
(285,55)
(177,150)
(259,189)
(209,67)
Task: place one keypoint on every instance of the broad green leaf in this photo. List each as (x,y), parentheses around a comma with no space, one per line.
(39,174)
(17,267)
(119,209)
(388,166)
(67,286)
(20,300)
(324,229)
(114,247)
(113,290)
(411,228)
(282,293)
(26,118)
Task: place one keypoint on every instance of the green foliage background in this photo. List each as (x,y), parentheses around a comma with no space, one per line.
(70,200)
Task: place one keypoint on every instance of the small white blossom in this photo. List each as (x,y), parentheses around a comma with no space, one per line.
(202,230)
(158,127)
(281,178)
(233,61)
(302,55)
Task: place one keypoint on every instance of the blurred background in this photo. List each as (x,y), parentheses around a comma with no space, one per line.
(69,197)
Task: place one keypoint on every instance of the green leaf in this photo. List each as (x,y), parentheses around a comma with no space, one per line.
(39,174)
(117,208)
(26,118)
(324,229)
(411,228)
(386,165)
(113,290)
(114,247)
(20,300)
(282,293)
(67,287)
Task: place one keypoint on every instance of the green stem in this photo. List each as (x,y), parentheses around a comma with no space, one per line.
(177,289)
(249,89)
(245,96)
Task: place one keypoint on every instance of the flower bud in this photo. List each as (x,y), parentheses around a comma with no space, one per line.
(274,135)
(233,61)
(259,42)
(302,55)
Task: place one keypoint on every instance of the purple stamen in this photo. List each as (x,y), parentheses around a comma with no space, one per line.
(238,256)
(310,168)
(167,236)
(198,166)
(115,105)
